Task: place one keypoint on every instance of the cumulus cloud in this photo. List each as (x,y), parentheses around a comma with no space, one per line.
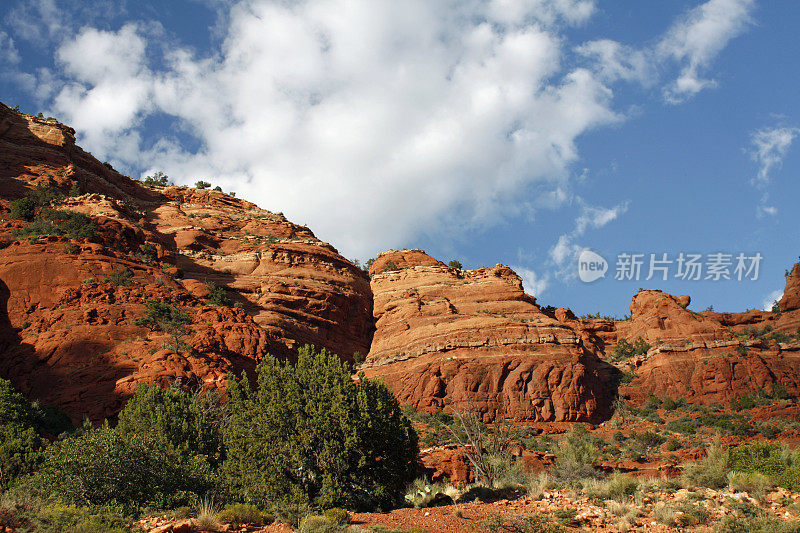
(768,148)
(697,38)
(371,121)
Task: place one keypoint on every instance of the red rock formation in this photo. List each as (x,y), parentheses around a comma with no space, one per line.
(68,332)
(473,340)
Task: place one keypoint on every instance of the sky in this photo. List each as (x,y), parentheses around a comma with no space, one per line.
(522,132)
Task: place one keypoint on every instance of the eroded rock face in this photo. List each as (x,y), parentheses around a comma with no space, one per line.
(69,307)
(473,340)
(708,357)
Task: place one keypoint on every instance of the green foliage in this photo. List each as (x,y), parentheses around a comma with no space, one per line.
(218,296)
(159,179)
(161,316)
(218,188)
(24,208)
(576,454)
(57,518)
(29,206)
(190,422)
(455,264)
(626,350)
(712,471)
(120,278)
(202,184)
(57,222)
(244,514)
(337,515)
(670,405)
(781,465)
(308,433)
(390,266)
(106,466)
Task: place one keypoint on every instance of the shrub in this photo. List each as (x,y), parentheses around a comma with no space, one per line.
(576,455)
(626,350)
(712,471)
(244,514)
(337,515)
(308,433)
(159,179)
(455,264)
(218,296)
(779,464)
(202,184)
(754,483)
(318,524)
(121,278)
(519,524)
(650,439)
(618,487)
(161,316)
(390,266)
(686,425)
(105,466)
(56,518)
(24,208)
(58,222)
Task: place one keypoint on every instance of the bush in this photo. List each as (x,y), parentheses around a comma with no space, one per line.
(56,518)
(754,483)
(712,471)
(617,487)
(576,456)
(519,524)
(202,184)
(61,223)
(308,433)
(190,422)
(24,209)
(159,179)
(318,524)
(244,514)
(161,316)
(107,466)
(337,515)
(626,350)
(455,264)
(121,278)
(218,296)
(20,423)
(780,464)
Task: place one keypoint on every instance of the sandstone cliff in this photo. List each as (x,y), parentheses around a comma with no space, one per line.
(69,306)
(473,340)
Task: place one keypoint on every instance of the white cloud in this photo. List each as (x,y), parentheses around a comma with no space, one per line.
(532,283)
(697,38)
(371,121)
(768,148)
(770,299)
(564,253)
(37,21)
(8,51)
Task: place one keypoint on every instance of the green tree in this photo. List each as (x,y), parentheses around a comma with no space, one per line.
(191,422)
(202,184)
(159,179)
(308,433)
(20,446)
(455,264)
(161,316)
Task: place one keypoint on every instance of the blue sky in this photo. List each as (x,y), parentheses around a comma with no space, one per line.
(512,131)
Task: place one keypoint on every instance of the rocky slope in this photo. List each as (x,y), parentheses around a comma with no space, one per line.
(67,323)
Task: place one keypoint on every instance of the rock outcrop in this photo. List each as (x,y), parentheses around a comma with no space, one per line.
(69,306)
(473,340)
